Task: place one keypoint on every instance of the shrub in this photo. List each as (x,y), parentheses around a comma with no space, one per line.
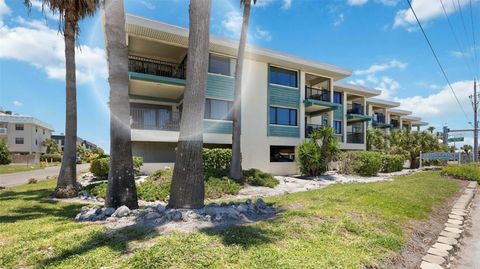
(216,162)
(469,171)
(51,157)
(363,163)
(256,177)
(32,180)
(151,190)
(99,190)
(99,167)
(217,187)
(315,155)
(4,153)
(392,163)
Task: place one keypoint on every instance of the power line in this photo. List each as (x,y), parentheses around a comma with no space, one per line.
(474,39)
(460,45)
(436,58)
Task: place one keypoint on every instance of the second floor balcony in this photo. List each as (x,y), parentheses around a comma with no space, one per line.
(317,94)
(356,109)
(395,124)
(355,137)
(154,119)
(156,67)
(379,120)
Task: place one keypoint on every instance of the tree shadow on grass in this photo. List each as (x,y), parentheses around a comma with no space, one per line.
(245,236)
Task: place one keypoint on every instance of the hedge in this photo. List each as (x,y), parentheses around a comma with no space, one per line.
(51,157)
(256,177)
(468,171)
(363,163)
(216,162)
(392,163)
(99,167)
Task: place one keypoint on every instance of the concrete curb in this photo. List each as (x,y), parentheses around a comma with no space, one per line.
(441,253)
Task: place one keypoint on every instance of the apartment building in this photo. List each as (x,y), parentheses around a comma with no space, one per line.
(24,135)
(284,97)
(60,139)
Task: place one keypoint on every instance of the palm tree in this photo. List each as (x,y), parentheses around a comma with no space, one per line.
(466,148)
(431,129)
(70,13)
(187,189)
(236,162)
(121,180)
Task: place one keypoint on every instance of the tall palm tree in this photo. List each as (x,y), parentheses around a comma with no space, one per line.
(70,13)
(188,190)
(121,182)
(431,129)
(236,162)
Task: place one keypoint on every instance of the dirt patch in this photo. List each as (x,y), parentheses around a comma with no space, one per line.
(422,234)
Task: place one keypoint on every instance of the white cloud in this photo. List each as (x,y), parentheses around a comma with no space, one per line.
(17,103)
(388,2)
(340,19)
(442,103)
(286,4)
(4,9)
(148,4)
(262,34)
(232,23)
(356,2)
(263,3)
(375,68)
(43,47)
(38,5)
(426,10)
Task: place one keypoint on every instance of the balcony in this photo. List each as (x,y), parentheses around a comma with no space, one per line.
(310,128)
(318,101)
(378,120)
(154,119)
(356,112)
(156,67)
(355,138)
(395,124)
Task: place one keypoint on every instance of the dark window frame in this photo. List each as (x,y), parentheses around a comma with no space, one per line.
(275,78)
(19,127)
(340,95)
(274,116)
(337,130)
(276,155)
(17,139)
(218,70)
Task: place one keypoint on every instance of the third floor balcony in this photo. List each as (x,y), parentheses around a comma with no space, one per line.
(156,67)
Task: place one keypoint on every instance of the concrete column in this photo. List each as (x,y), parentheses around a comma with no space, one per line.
(369,113)
(301,112)
(387,120)
(330,114)
(344,121)
(365,123)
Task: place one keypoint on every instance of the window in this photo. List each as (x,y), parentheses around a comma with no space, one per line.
(337,126)
(19,127)
(19,140)
(218,109)
(36,142)
(283,77)
(43,131)
(36,129)
(283,116)
(337,97)
(221,65)
(282,154)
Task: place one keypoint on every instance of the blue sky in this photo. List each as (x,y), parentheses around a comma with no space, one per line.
(377,39)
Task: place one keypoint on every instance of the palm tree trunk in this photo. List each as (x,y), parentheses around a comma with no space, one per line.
(67,179)
(236,162)
(187,189)
(121,179)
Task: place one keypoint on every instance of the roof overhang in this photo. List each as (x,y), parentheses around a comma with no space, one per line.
(419,123)
(356,89)
(382,102)
(412,118)
(172,34)
(400,112)
(25,120)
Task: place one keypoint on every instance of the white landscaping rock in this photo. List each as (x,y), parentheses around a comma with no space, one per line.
(447,240)
(427,265)
(453,230)
(434,259)
(442,246)
(438,252)
(121,212)
(449,234)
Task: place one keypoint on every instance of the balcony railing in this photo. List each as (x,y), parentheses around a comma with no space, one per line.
(378,118)
(310,128)
(317,94)
(154,119)
(3,131)
(156,67)
(355,109)
(395,124)
(355,138)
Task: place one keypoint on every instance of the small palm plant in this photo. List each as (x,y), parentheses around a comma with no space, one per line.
(314,155)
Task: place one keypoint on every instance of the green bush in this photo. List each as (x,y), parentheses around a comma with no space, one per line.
(4,153)
(217,187)
(256,177)
(51,157)
(99,167)
(99,190)
(151,190)
(363,163)
(469,171)
(216,162)
(392,163)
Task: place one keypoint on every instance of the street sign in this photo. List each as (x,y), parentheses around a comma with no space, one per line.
(456,139)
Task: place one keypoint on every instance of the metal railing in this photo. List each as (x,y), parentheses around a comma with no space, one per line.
(156,67)
(355,138)
(355,109)
(395,123)
(378,118)
(154,119)
(3,131)
(310,128)
(317,94)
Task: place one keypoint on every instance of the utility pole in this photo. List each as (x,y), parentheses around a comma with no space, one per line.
(474,100)
(445,135)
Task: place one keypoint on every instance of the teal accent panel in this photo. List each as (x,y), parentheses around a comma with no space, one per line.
(158,79)
(218,127)
(338,113)
(151,98)
(220,87)
(284,97)
(275,130)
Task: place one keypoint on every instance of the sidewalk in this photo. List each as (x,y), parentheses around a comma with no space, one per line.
(469,254)
(14,179)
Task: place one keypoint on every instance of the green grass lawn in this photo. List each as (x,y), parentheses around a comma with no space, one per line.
(341,226)
(13,168)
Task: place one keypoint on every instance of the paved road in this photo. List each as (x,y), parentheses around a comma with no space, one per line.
(14,179)
(469,255)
